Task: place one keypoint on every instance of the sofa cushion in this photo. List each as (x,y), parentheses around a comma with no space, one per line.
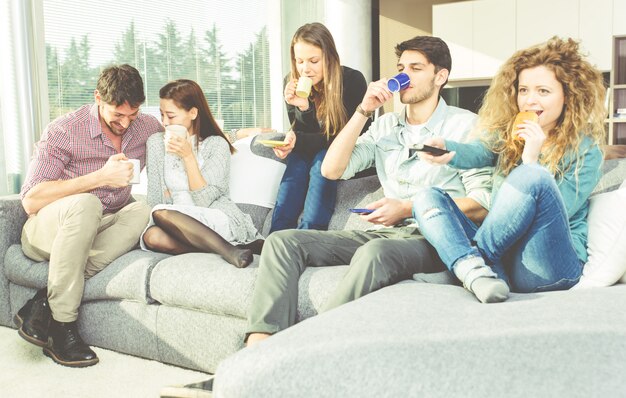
(607,239)
(206,282)
(125,278)
(356,192)
(257,213)
(613,174)
(427,340)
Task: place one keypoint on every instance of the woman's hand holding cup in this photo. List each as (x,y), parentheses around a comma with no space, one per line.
(176,142)
(292,99)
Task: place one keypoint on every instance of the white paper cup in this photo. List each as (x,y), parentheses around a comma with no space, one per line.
(136,170)
(303,88)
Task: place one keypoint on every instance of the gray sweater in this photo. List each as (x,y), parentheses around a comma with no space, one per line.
(215,169)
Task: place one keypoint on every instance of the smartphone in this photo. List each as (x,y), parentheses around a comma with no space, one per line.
(430,149)
(362,211)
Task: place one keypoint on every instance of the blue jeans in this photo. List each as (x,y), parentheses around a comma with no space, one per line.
(525,238)
(303,186)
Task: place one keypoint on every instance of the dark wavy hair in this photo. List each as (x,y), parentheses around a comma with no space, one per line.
(187,94)
(433,48)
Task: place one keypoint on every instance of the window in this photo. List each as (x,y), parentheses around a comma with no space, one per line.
(221,44)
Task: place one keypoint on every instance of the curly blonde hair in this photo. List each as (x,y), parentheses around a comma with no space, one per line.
(328,97)
(583,112)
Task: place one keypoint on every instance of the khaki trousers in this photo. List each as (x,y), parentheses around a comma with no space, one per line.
(376,258)
(79,241)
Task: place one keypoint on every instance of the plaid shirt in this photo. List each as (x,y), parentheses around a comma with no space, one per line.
(74,145)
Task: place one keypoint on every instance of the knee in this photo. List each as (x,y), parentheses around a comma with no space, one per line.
(315,173)
(528,177)
(370,257)
(280,239)
(151,238)
(316,165)
(140,211)
(86,207)
(426,199)
(160,216)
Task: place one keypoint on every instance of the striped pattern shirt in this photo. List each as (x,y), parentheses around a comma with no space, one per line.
(74,145)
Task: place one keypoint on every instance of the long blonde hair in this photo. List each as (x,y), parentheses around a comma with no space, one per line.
(583,112)
(328,97)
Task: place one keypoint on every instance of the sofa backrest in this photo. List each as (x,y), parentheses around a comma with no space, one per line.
(358,192)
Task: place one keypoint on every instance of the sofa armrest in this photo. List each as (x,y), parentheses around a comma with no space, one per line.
(12,219)
(614,151)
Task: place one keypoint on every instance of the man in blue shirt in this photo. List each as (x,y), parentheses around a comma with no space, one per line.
(393,250)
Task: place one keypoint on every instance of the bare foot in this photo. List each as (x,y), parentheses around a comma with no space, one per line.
(255,338)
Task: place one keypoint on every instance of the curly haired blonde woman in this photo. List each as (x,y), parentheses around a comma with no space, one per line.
(534,237)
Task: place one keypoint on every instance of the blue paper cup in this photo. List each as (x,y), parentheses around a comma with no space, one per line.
(398,82)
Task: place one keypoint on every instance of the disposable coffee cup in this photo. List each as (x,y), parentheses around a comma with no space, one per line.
(175,130)
(136,170)
(398,82)
(303,88)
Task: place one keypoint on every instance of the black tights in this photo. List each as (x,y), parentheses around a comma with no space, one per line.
(186,235)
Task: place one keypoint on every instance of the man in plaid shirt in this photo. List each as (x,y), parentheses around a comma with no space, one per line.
(81,215)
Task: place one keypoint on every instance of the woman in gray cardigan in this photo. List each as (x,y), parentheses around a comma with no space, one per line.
(188,183)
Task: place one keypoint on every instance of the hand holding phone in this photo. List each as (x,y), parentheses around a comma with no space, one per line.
(430,149)
(362,211)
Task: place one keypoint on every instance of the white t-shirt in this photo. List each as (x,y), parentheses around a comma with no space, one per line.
(254,179)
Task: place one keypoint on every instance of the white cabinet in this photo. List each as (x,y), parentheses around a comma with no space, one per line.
(453,23)
(619,17)
(539,20)
(493,38)
(595,30)
(478,43)
(483,33)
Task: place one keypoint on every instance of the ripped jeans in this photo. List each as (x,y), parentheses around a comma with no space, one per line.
(525,238)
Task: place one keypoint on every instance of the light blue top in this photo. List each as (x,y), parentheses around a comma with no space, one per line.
(401,174)
(575,186)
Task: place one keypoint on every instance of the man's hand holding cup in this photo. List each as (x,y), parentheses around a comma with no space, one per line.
(376,95)
(118,171)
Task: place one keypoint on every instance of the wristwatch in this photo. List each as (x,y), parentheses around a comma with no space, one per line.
(363,112)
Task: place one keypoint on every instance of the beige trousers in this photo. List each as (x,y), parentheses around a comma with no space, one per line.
(79,241)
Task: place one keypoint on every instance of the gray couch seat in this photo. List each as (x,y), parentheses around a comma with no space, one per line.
(428,340)
(126,278)
(204,282)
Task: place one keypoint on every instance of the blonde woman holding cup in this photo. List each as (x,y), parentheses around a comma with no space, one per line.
(321,96)
(188,173)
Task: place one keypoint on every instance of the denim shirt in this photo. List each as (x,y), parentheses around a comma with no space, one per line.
(575,185)
(401,173)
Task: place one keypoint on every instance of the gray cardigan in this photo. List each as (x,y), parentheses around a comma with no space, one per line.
(215,170)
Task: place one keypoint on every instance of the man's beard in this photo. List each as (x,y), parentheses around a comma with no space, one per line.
(423,95)
(116,131)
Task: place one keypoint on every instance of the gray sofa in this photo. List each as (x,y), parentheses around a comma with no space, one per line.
(408,339)
(187,310)
(421,339)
